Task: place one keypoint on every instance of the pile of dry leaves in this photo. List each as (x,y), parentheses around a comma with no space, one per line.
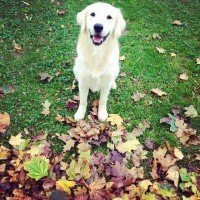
(129,170)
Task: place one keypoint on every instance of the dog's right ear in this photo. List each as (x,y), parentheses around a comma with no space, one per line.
(81,19)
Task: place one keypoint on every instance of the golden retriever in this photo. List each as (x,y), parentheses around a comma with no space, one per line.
(97,64)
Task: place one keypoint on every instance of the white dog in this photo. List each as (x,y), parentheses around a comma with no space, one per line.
(97,64)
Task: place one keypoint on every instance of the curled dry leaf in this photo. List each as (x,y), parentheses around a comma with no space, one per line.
(177,22)
(156,36)
(4,122)
(137,96)
(61,12)
(45,77)
(183,77)
(158,92)
(17,47)
(160,50)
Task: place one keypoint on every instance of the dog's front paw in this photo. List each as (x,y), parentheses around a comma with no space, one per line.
(79,115)
(102,115)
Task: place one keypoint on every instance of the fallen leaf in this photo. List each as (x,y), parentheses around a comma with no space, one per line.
(144,184)
(16,140)
(122,58)
(45,77)
(65,185)
(37,167)
(173,174)
(137,96)
(60,118)
(46,106)
(160,50)
(183,76)
(17,47)
(178,153)
(61,12)
(158,92)
(2,168)
(149,144)
(122,74)
(4,122)
(156,36)
(115,119)
(177,22)
(198,61)
(172,54)
(98,184)
(127,146)
(71,104)
(190,111)
(4,153)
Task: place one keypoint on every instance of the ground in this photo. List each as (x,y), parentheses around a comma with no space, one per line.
(48,40)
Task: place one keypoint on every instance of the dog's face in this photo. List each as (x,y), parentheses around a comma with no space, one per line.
(101,21)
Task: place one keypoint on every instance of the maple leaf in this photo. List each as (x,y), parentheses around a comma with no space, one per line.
(17,142)
(65,185)
(144,184)
(198,61)
(190,111)
(46,106)
(34,151)
(122,58)
(37,167)
(115,119)
(156,36)
(98,184)
(183,77)
(149,144)
(127,146)
(173,174)
(158,92)
(45,77)
(4,153)
(4,122)
(177,22)
(161,50)
(137,96)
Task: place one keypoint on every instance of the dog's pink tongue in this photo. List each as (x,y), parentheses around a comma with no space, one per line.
(97,38)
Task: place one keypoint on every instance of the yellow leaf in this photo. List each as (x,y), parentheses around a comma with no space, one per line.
(35,150)
(65,185)
(115,119)
(178,153)
(145,184)
(172,54)
(16,140)
(127,146)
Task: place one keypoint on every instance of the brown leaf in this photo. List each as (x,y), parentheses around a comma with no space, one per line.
(183,76)
(4,122)
(177,22)
(61,12)
(60,118)
(45,77)
(158,92)
(137,96)
(17,47)
(4,153)
(2,168)
(173,174)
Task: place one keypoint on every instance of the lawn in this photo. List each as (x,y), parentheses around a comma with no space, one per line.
(48,41)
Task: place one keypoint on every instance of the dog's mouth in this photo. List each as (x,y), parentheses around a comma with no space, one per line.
(98,39)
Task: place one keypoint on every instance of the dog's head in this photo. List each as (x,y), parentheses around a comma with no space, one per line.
(100,21)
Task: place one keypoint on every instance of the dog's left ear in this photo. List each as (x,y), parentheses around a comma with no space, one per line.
(120,24)
(81,19)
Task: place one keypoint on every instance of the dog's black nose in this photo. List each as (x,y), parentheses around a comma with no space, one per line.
(98,28)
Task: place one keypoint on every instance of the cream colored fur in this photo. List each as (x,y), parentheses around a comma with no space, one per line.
(97,67)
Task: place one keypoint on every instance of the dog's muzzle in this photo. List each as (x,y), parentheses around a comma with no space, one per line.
(97,39)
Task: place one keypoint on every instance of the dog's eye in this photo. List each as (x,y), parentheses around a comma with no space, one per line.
(92,14)
(109,17)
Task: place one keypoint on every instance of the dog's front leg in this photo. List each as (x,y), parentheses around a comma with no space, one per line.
(102,113)
(83,94)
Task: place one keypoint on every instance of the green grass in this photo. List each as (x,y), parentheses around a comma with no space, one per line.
(53,51)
